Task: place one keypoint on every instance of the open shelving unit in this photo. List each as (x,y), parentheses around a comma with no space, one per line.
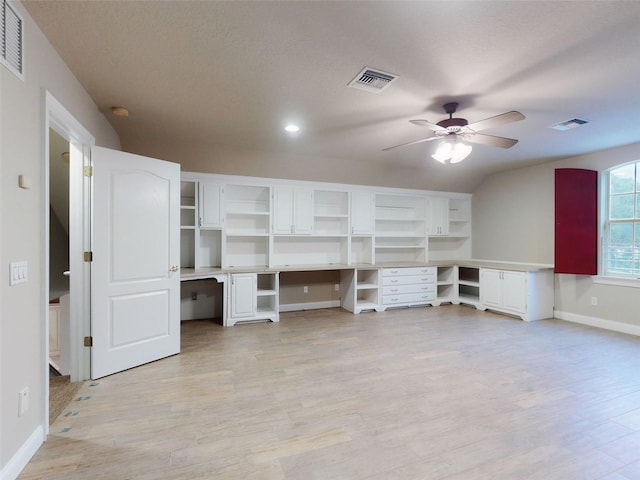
(330,213)
(367,290)
(361,249)
(446,284)
(469,285)
(267,296)
(247,226)
(459,217)
(400,229)
(361,289)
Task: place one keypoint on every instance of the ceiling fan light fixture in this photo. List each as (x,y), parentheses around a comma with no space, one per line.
(460,152)
(451,150)
(443,152)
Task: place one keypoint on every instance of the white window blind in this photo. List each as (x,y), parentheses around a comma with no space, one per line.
(12,38)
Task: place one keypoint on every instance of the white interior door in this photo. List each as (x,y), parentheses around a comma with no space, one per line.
(135,283)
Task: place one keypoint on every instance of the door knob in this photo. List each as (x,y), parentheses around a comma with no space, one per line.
(174,268)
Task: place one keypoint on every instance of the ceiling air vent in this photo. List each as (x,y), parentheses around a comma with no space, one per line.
(569,124)
(11,37)
(372,80)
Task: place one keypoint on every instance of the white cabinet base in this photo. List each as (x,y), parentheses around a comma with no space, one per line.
(527,295)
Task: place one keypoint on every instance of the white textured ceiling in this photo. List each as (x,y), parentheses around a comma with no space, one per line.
(229,75)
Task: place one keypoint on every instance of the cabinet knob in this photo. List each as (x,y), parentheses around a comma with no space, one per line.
(174,268)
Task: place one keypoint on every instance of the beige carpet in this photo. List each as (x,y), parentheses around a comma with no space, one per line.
(61,392)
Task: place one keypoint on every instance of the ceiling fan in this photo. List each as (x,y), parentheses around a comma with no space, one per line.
(455,131)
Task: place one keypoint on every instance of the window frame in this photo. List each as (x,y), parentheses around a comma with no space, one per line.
(605,275)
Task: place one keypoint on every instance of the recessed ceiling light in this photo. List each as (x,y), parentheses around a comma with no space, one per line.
(291,128)
(120,111)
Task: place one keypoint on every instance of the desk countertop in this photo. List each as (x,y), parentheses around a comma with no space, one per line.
(187,274)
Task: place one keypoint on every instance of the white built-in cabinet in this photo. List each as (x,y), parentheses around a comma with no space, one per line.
(504,290)
(379,238)
(253,297)
(528,295)
(242,222)
(292,210)
(408,286)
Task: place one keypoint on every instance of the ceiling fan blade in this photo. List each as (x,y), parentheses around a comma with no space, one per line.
(496,121)
(491,140)
(411,143)
(429,125)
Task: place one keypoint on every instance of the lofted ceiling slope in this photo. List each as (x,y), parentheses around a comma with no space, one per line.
(211,84)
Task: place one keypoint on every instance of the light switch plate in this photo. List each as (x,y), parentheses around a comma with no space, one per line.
(19,272)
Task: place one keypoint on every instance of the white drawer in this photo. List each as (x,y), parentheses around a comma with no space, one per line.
(414,288)
(410,298)
(409,279)
(391,272)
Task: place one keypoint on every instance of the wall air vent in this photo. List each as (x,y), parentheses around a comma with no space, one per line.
(372,80)
(569,124)
(11,37)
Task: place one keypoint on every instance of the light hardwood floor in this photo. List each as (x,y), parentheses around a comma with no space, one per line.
(425,393)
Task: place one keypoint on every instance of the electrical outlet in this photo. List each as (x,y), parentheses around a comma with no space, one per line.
(305,289)
(594,301)
(23,401)
(337,287)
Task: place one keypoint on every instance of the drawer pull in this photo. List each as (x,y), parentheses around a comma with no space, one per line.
(394,281)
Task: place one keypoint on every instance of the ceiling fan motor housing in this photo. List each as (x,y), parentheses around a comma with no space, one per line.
(456,123)
(453,122)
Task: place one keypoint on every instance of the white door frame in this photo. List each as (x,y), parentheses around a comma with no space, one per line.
(58,118)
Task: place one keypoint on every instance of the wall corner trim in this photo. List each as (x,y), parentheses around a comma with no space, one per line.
(598,322)
(28,449)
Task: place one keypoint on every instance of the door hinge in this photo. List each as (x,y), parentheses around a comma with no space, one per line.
(88,171)
(88,341)
(88,256)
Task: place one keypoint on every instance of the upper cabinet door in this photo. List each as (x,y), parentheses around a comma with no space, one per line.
(303,211)
(363,208)
(292,210)
(438,211)
(210,205)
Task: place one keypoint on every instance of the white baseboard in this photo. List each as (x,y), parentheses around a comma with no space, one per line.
(28,449)
(598,322)
(296,307)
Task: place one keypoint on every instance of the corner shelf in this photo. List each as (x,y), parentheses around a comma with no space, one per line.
(469,285)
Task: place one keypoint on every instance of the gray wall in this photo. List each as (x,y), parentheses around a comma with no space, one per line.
(513,220)
(22,233)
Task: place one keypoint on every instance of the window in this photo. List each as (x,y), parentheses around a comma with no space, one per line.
(621,240)
(11,38)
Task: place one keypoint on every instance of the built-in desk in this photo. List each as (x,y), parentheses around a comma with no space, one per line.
(520,289)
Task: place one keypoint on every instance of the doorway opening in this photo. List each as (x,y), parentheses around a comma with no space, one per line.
(66,224)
